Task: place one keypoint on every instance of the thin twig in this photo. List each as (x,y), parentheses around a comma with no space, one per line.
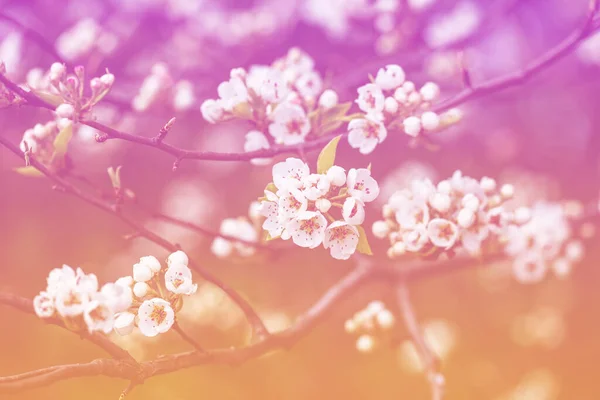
(187,338)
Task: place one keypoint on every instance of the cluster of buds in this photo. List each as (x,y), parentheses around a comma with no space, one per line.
(149,298)
(48,144)
(84,37)
(458,213)
(370,324)
(247,230)
(299,205)
(67,91)
(391,101)
(284,99)
(159,85)
(546,241)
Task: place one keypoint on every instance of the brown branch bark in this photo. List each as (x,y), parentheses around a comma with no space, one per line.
(363,274)
(251,315)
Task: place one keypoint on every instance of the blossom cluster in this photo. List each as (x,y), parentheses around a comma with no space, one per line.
(391,101)
(159,85)
(460,213)
(67,91)
(247,230)
(149,298)
(298,205)
(285,99)
(84,37)
(546,241)
(368,323)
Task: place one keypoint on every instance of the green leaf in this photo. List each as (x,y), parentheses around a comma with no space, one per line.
(61,142)
(327,155)
(29,171)
(49,98)
(363,242)
(271,187)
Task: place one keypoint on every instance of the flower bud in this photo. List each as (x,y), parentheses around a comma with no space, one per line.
(385,319)
(140,289)
(507,191)
(465,218)
(487,184)
(152,263)
(179,257)
(408,87)
(65,111)
(239,73)
(412,126)
(57,72)
(107,79)
(374,307)
(350,326)
(323,205)
(336,175)
(221,247)
(365,343)
(380,229)
(328,99)
(440,202)
(430,91)
(141,273)
(353,211)
(126,281)
(400,95)
(391,105)
(471,202)
(430,120)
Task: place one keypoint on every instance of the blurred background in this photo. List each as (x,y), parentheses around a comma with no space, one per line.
(498,339)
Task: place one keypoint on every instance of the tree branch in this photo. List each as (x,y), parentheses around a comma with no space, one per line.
(430,360)
(26,305)
(533,68)
(251,315)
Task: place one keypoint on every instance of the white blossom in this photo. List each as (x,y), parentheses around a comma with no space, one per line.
(290,172)
(307,229)
(309,85)
(124,323)
(390,77)
(221,247)
(232,93)
(529,268)
(142,272)
(151,262)
(155,316)
(442,233)
(365,133)
(336,175)
(353,211)
(98,315)
(43,305)
(290,124)
(178,257)
(178,279)
(328,99)
(118,297)
(362,185)
(315,186)
(212,110)
(341,239)
(370,99)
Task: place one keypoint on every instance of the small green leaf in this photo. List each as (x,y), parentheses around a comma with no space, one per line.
(271,187)
(61,142)
(363,242)
(327,155)
(29,171)
(49,98)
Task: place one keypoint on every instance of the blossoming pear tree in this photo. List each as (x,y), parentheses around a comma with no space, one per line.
(288,110)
